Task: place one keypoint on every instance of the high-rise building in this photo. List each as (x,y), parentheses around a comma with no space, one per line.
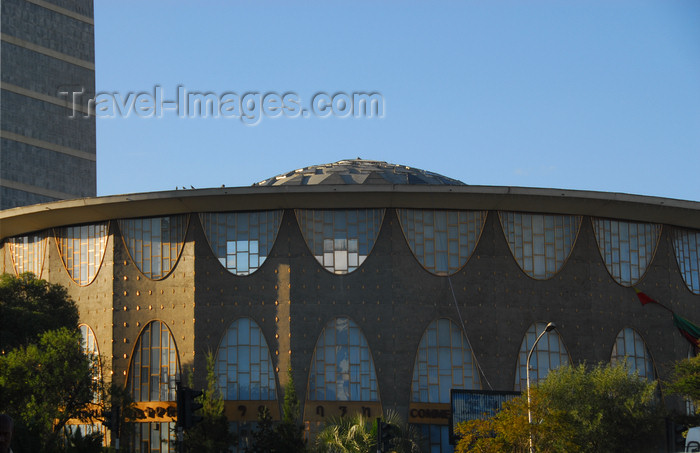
(47,149)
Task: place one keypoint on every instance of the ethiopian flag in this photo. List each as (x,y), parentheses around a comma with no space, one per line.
(643,298)
(690,331)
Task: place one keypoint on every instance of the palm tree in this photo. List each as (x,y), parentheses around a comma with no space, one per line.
(357,434)
(406,438)
(352,434)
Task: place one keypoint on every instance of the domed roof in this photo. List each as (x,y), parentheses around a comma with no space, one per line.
(359,171)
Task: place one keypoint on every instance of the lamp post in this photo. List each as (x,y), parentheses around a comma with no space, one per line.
(550,326)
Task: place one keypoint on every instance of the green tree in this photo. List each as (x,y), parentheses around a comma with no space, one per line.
(211,435)
(288,435)
(45,385)
(509,430)
(264,438)
(685,380)
(358,434)
(350,434)
(405,437)
(45,378)
(77,443)
(29,307)
(601,409)
(290,431)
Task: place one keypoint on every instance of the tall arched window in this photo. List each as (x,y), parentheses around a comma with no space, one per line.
(241,241)
(244,366)
(540,243)
(88,343)
(82,249)
(550,354)
(28,253)
(442,241)
(342,368)
(444,361)
(630,346)
(627,248)
(340,239)
(686,244)
(153,373)
(154,243)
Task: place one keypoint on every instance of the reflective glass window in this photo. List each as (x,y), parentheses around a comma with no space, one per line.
(340,239)
(630,346)
(540,243)
(155,366)
(437,438)
(244,368)
(82,249)
(155,437)
(442,241)
(444,361)
(686,244)
(241,241)
(28,253)
(627,248)
(154,243)
(88,343)
(244,432)
(342,368)
(549,355)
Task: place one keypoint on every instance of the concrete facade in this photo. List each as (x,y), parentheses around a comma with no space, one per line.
(391,296)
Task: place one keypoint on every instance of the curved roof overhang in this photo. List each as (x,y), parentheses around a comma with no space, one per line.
(26,219)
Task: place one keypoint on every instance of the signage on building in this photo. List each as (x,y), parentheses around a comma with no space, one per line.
(318,411)
(429,413)
(247,411)
(154,411)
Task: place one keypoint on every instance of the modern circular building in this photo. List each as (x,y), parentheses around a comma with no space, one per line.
(381,287)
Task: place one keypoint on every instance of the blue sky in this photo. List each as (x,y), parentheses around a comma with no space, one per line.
(565,94)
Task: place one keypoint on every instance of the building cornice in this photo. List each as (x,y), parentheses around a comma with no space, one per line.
(600,204)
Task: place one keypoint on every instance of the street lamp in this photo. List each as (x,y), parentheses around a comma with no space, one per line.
(550,326)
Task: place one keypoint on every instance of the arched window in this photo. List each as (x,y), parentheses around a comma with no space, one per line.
(155,366)
(442,241)
(28,253)
(444,361)
(550,354)
(88,343)
(244,366)
(627,248)
(340,239)
(82,249)
(686,244)
(630,346)
(153,372)
(342,368)
(154,243)
(241,241)
(540,243)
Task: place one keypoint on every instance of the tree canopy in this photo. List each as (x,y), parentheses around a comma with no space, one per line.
(577,409)
(30,306)
(44,385)
(685,380)
(45,378)
(211,435)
